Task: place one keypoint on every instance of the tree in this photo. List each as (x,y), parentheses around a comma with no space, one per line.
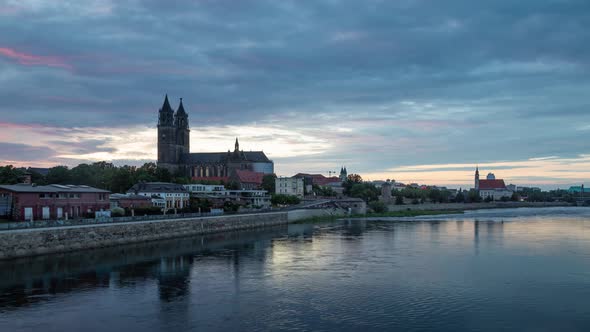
(281,199)
(58,175)
(268,182)
(10,175)
(515,197)
(378,207)
(351,180)
(399,200)
(459,198)
(354,178)
(366,191)
(473,197)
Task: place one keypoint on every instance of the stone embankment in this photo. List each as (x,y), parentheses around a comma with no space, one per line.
(38,241)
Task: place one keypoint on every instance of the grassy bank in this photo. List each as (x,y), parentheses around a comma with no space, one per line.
(398,214)
(412,213)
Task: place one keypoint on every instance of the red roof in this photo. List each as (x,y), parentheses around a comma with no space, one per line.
(491,184)
(249,176)
(319,179)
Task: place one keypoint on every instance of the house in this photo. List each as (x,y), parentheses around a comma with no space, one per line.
(174,196)
(578,189)
(491,188)
(218,195)
(290,186)
(27,202)
(247,180)
(129,201)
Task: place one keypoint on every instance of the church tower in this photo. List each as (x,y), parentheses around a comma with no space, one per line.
(167,154)
(477,178)
(182,132)
(343,174)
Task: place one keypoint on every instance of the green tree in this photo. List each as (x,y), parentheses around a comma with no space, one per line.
(473,197)
(365,191)
(268,182)
(281,199)
(58,175)
(459,198)
(399,200)
(378,207)
(10,175)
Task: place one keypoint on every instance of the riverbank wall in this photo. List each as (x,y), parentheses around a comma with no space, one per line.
(472,206)
(39,241)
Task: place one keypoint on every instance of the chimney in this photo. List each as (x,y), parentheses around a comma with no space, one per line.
(27,178)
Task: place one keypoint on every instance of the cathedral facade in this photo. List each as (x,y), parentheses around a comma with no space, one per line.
(174,151)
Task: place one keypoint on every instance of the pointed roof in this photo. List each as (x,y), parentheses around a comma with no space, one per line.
(181,108)
(237,146)
(166,106)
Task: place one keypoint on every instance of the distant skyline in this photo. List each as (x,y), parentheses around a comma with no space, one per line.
(418,91)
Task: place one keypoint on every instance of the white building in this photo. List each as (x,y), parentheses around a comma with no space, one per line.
(259,198)
(289,186)
(171,195)
(491,188)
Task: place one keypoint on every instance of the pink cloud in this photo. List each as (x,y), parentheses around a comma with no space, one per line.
(9,10)
(35,60)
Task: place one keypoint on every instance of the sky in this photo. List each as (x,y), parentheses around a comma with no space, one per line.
(411,90)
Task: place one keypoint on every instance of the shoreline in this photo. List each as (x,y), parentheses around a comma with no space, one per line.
(410,211)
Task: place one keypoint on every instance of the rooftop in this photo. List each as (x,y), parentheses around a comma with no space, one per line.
(52,188)
(160,187)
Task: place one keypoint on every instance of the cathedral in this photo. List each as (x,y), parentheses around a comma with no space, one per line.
(174,151)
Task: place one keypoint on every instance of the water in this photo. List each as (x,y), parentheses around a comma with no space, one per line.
(489,270)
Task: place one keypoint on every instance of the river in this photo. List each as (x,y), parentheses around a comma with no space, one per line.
(486,270)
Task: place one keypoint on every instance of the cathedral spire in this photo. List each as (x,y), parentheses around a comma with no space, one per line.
(166,106)
(166,117)
(237,146)
(181,108)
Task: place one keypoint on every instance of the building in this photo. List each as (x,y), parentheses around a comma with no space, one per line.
(26,202)
(343,174)
(290,186)
(174,196)
(174,151)
(218,195)
(129,201)
(247,180)
(578,189)
(491,188)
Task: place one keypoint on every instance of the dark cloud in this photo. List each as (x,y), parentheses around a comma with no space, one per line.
(23,152)
(449,81)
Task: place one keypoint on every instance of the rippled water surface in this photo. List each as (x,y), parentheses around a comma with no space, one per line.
(489,270)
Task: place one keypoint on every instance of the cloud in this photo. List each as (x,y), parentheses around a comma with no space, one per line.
(34,60)
(17,153)
(373,84)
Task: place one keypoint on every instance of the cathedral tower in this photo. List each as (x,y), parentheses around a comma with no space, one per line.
(477,178)
(167,151)
(182,132)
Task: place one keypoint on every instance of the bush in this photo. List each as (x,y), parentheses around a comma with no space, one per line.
(281,199)
(117,212)
(150,210)
(230,207)
(378,207)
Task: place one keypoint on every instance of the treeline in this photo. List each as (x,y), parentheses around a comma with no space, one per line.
(103,175)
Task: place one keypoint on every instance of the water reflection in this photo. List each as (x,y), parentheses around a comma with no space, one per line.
(484,272)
